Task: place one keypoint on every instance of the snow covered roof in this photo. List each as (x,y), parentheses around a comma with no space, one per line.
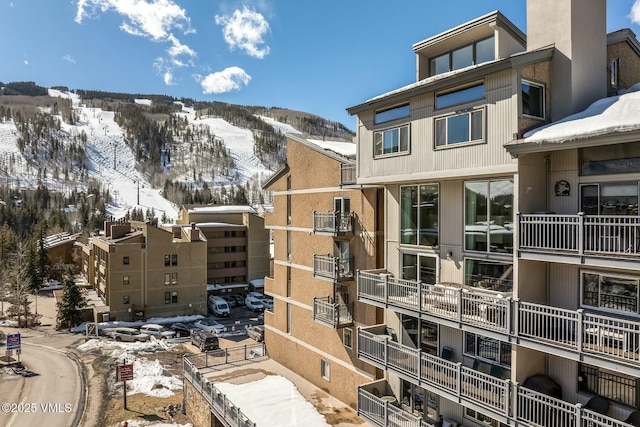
(222,209)
(339,149)
(217,225)
(608,116)
(345,148)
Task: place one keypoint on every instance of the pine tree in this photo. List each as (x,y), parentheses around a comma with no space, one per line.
(72,303)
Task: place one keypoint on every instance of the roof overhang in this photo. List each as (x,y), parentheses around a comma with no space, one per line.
(454,78)
(521,146)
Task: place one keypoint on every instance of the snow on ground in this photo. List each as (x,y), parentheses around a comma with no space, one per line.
(283,128)
(344,148)
(149,376)
(273,401)
(608,115)
(167,321)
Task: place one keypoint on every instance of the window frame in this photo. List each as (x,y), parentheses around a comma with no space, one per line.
(489,214)
(126,280)
(600,308)
(503,353)
(126,299)
(167,260)
(125,260)
(543,99)
(507,264)
(419,203)
(174,259)
(325,370)
(446,117)
(347,332)
(167,279)
(449,53)
(459,90)
(399,152)
(378,114)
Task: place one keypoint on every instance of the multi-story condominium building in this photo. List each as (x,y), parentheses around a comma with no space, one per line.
(510,275)
(324,230)
(140,270)
(238,245)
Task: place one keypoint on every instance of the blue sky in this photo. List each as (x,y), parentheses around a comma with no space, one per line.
(315,56)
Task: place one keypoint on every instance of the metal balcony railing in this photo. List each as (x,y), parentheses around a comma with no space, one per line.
(604,336)
(332,314)
(580,234)
(347,174)
(333,268)
(507,400)
(334,223)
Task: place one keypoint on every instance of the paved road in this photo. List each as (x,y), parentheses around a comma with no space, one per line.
(47,399)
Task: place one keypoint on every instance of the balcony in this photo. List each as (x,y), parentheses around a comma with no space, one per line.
(332,268)
(574,334)
(577,238)
(457,304)
(499,398)
(332,314)
(381,407)
(335,223)
(347,174)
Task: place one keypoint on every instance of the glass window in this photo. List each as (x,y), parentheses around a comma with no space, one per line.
(174,278)
(391,141)
(489,216)
(439,64)
(167,260)
(461,96)
(611,159)
(609,291)
(167,297)
(325,370)
(532,99)
(167,278)
(462,57)
(125,260)
(419,213)
(615,198)
(125,299)
(478,346)
(347,337)
(485,50)
(174,297)
(394,113)
(614,73)
(174,259)
(491,275)
(125,280)
(464,127)
(422,268)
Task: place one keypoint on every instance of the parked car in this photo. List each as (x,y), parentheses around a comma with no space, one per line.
(183,329)
(256,294)
(157,331)
(130,335)
(210,325)
(255,332)
(268,304)
(253,303)
(205,340)
(218,306)
(239,299)
(230,300)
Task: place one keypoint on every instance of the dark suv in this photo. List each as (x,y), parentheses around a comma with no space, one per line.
(205,341)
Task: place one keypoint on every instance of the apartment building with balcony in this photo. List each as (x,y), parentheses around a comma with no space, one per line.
(510,275)
(324,229)
(238,245)
(140,270)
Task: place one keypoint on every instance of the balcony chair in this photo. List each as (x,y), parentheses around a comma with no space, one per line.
(634,418)
(598,404)
(447,353)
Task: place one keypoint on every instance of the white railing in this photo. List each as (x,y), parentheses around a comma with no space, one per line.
(500,396)
(481,308)
(580,234)
(217,401)
(332,222)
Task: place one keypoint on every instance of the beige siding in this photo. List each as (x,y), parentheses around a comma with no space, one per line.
(564,288)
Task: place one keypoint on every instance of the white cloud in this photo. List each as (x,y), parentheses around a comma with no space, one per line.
(26,62)
(227,80)
(178,49)
(634,15)
(168,78)
(150,18)
(68,58)
(245,30)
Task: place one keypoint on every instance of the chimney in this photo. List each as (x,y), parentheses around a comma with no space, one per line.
(194,233)
(578,29)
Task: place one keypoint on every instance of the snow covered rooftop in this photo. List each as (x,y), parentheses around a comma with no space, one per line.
(217,225)
(222,209)
(610,115)
(345,148)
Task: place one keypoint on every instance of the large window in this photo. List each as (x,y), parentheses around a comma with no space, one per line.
(619,293)
(611,198)
(391,141)
(418,267)
(458,128)
(489,216)
(609,384)
(491,275)
(611,159)
(460,96)
(419,215)
(471,54)
(394,113)
(489,349)
(532,96)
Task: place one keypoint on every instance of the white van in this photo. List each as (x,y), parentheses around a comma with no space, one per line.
(218,306)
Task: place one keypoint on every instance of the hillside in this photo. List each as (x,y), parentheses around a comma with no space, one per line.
(110,154)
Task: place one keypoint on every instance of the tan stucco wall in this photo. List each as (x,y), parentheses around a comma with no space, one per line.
(628,63)
(196,407)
